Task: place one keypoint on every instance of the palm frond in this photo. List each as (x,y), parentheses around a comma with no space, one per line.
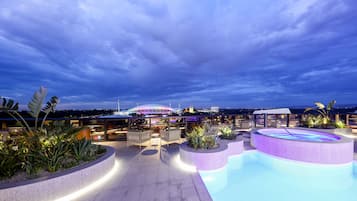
(4,100)
(308,109)
(35,105)
(51,104)
(9,105)
(320,105)
(49,107)
(331,105)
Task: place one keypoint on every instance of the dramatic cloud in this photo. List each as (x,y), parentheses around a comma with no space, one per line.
(231,53)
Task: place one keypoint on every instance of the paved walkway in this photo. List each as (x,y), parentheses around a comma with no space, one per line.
(149,175)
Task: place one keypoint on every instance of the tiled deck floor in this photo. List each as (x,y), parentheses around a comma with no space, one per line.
(149,175)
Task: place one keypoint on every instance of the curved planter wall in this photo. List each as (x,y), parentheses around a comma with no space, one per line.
(338,152)
(59,184)
(210,159)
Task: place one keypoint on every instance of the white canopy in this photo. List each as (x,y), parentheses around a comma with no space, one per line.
(273,111)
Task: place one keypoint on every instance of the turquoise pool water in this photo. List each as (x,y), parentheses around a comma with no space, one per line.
(254,176)
(300,134)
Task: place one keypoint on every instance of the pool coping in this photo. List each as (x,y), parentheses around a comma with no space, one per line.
(200,187)
(334,152)
(342,139)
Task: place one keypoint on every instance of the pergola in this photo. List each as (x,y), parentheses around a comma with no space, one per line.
(278,111)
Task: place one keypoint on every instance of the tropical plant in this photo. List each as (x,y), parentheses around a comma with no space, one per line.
(62,129)
(340,124)
(324,112)
(52,153)
(48,147)
(49,107)
(35,107)
(82,150)
(209,141)
(227,133)
(310,121)
(198,140)
(195,138)
(9,163)
(11,108)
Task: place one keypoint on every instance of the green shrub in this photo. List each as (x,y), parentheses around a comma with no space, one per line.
(340,124)
(209,142)
(50,147)
(9,163)
(198,140)
(227,133)
(195,138)
(83,150)
(52,153)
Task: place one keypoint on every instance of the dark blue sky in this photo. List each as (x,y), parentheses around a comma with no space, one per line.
(227,53)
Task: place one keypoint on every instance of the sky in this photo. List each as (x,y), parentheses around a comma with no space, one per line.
(226,53)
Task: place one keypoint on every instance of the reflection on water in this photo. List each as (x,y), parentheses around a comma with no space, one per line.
(255,176)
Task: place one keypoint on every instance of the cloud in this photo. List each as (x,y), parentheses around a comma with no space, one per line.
(212,53)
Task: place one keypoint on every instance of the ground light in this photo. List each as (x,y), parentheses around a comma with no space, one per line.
(77,194)
(182,165)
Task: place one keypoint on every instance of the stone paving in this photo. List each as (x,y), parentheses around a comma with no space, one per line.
(149,175)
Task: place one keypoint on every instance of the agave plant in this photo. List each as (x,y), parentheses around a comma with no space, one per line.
(82,150)
(52,154)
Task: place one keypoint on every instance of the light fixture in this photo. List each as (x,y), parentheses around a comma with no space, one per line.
(182,165)
(91,187)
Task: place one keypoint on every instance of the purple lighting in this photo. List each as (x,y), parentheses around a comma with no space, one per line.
(304,145)
(300,134)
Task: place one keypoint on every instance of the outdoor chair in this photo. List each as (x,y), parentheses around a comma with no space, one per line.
(138,137)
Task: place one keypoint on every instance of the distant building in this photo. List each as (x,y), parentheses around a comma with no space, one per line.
(151,109)
(214,109)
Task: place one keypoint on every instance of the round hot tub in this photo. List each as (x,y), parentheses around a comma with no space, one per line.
(304,145)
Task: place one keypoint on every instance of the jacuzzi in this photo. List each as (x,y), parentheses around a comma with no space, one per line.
(304,145)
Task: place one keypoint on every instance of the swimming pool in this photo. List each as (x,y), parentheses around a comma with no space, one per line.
(255,176)
(300,134)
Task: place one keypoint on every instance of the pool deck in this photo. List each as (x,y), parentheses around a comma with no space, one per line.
(150,174)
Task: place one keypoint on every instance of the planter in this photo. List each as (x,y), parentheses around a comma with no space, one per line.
(231,137)
(211,159)
(59,184)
